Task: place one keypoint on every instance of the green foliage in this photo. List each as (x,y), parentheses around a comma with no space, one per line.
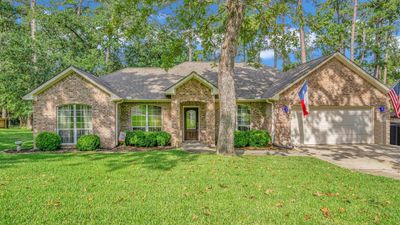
(147,139)
(163,138)
(88,142)
(241,139)
(252,138)
(48,141)
(259,138)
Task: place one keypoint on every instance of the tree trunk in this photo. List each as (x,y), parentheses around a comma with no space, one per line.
(386,58)
(353,30)
(33,28)
(79,8)
(190,50)
(284,52)
(3,113)
(226,85)
(301,31)
(364,37)
(275,58)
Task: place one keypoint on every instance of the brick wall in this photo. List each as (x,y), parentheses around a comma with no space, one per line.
(75,90)
(333,84)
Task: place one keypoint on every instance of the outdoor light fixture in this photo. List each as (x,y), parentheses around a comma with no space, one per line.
(285,109)
(382,109)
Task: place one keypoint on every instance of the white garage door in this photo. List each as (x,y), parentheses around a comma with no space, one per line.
(332,126)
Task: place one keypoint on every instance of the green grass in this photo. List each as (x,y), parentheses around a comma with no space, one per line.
(8,137)
(175,187)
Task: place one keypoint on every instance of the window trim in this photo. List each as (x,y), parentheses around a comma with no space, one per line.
(237,115)
(75,130)
(146,128)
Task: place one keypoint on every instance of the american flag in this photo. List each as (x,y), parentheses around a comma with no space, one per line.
(394,95)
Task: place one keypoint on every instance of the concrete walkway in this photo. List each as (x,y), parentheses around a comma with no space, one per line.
(383,160)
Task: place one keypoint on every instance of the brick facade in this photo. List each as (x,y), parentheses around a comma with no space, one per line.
(334,84)
(75,90)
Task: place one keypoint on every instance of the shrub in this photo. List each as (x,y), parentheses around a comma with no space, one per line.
(241,139)
(48,141)
(136,138)
(147,139)
(163,138)
(88,142)
(259,138)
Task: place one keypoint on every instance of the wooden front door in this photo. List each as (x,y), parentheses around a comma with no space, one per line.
(191,123)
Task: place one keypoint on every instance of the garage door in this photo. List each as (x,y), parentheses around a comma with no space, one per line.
(332,126)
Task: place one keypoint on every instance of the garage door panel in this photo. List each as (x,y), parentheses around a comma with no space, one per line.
(332,126)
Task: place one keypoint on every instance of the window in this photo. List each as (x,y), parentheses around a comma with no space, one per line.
(73,121)
(243,117)
(146,118)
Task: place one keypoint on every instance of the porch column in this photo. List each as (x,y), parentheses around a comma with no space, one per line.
(175,123)
(210,122)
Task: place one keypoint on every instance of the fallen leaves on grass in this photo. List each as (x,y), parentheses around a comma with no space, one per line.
(325,211)
(54,203)
(307,217)
(268,191)
(342,210)
(279,204)
(320,194)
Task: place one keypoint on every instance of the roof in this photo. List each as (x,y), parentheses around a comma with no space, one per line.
(89,77)
(152,83)
(250,82)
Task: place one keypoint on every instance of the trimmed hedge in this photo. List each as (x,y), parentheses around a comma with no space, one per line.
(88,142)
(48,141)
(252,138)
(147,139)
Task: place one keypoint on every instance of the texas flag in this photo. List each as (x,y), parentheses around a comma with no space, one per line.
(303,94)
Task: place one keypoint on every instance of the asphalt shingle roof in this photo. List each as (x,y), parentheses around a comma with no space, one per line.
(250,82)
(151,83)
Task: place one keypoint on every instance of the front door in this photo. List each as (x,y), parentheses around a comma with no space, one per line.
(191,123)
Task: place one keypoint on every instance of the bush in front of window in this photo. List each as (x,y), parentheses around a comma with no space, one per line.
(241,139)
(147,139)
(163,138)
(259,138)
(48,141)
(88,142)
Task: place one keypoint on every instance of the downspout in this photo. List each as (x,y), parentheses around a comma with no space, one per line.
(272,121)
(117,122)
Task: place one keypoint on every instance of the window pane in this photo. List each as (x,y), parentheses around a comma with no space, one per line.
(153,115)
(243,117)
(71,118)
(139,117)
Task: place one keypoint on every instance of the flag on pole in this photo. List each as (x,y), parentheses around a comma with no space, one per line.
(303,94)
(394,95)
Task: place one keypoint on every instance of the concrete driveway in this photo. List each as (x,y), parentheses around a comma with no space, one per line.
(383,160)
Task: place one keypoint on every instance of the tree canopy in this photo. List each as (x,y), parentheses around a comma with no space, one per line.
(40,39)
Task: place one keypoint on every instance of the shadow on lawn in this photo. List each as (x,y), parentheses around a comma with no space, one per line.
(155,160)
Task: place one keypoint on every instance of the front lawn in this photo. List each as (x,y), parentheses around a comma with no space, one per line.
(8,137)
(175,187)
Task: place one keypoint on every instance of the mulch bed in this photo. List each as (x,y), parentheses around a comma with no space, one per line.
(121,148)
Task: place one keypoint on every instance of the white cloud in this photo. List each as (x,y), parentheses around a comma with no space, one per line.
(267,54)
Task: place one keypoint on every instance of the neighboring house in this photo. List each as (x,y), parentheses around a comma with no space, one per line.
(347,104)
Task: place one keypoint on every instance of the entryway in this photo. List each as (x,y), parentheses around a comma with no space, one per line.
(191,123)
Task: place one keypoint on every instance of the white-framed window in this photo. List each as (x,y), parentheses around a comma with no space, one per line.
(73,121)
(243,118)
(146,118)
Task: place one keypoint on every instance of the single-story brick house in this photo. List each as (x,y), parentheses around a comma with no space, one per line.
(347,104)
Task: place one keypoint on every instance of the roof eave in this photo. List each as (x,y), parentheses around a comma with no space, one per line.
(63,74)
